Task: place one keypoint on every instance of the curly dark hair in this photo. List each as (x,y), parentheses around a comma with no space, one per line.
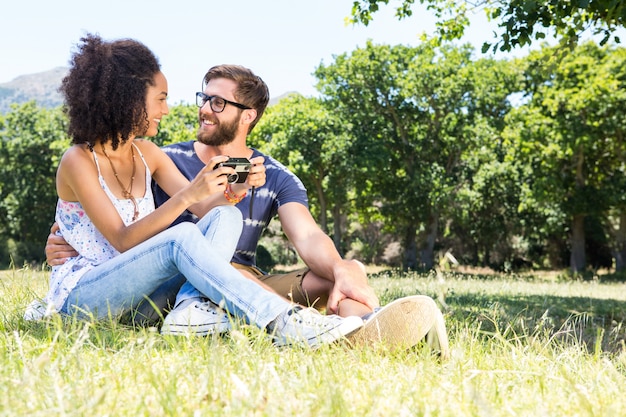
(251,89)
(105,90)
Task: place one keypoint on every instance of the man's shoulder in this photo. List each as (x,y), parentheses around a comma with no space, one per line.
(179,149)
(271,162)
(279,177)
(179,145)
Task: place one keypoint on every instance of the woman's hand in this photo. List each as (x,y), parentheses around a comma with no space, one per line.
(210,181)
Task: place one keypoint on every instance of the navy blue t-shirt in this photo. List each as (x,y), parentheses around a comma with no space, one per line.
(281,187)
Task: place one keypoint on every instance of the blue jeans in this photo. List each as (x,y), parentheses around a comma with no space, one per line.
(199,252)
(224,236)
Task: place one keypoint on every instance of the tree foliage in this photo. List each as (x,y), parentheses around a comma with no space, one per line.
(413,111)
(32,140)
(520,21)
(570,136)
(180,125)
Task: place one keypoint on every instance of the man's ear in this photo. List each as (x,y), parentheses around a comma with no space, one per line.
(248,116)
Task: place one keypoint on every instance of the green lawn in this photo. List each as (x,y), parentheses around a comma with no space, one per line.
(521,346)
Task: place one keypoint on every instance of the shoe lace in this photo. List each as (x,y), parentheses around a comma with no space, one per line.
(307,319)
(207,308)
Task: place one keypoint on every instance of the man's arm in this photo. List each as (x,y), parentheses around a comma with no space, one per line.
(57,249)
(319,253)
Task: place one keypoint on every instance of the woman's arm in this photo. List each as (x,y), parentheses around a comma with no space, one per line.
(77,180)
(173,183)
(58,250)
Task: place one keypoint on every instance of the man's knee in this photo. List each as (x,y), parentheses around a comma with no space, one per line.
(316,288)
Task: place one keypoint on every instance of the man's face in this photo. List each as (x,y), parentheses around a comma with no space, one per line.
(218,129)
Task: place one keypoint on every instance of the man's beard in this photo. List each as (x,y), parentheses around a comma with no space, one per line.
(223,135)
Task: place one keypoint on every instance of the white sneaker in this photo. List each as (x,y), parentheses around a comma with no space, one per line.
(198,318)
(38,310)
(307,325)
(401,324)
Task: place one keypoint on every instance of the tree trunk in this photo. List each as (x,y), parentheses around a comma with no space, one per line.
(410,248)
(620,250)
(427,256)
(337,228)
(577,258)
(486,257)
(323,222)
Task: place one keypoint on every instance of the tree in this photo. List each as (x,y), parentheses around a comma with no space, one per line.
(412,112)
(484,223)
(32,140)
(519,21)
(570,136)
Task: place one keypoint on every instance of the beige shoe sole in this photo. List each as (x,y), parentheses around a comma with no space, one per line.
(399,325)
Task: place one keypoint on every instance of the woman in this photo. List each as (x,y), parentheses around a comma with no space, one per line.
(115,92)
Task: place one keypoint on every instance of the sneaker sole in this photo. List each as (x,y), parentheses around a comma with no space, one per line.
(197,330)
(348,327)
(399,325)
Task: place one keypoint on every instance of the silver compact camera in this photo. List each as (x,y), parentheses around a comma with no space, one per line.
(241,167)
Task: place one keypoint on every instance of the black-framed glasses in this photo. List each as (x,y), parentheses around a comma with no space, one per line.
(217,103)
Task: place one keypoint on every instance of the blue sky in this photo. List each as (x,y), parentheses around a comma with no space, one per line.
(283,41)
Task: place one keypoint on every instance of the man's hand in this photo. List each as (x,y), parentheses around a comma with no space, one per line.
(256,176)
(57,249)
(351,282)
(318,252)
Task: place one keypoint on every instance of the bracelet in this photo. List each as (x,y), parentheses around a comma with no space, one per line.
(231,197)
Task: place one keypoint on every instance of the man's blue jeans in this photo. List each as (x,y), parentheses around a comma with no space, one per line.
(200,252)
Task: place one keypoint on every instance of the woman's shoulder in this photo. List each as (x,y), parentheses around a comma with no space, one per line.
(76,154)
(153,156)
(76,169)
(148,149)
(146,145)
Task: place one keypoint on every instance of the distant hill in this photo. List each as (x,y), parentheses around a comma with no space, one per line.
(275,100)
(41,87)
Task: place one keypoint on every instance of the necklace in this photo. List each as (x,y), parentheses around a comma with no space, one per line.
(126,193)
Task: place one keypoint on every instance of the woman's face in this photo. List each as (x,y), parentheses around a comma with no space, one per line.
(156,104)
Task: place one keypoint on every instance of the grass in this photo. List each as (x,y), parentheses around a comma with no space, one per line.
(521,346)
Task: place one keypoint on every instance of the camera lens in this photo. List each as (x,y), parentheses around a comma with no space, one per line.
(232,178)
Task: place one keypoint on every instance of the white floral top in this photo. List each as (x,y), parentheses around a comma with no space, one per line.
(80,232)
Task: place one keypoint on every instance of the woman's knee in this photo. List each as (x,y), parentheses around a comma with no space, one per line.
(230,214)
(181,231)
(229,217)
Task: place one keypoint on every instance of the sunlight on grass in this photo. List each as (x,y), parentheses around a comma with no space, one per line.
(520,347)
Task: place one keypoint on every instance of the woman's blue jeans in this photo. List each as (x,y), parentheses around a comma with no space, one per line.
(200,252)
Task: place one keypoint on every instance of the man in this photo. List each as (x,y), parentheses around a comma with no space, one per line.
(232,102)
